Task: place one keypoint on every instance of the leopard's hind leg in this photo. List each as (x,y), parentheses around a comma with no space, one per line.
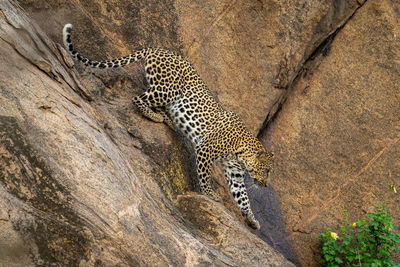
(204,161)
(158,96)
(145,105)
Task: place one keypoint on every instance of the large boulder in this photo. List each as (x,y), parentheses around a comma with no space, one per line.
(336,138)
(248,53)
(86,179)
(77,185)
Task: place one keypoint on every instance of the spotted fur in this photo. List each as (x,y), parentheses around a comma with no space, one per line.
(178,96)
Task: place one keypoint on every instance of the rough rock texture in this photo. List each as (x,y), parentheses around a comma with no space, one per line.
(246,51)
(250,51)
(76,187)
(337,136)
(85,179)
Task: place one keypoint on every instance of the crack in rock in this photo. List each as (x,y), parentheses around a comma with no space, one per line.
(323,48)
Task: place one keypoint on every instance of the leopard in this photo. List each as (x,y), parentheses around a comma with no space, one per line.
(178,97)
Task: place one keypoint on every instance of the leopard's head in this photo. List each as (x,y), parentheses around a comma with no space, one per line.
(260,166)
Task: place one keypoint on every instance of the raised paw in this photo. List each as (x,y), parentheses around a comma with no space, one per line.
(146,111)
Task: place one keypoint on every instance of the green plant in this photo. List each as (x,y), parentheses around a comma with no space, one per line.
(368,242)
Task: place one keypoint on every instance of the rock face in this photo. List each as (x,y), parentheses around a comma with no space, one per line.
(76,184)
(86,180)
(246,52)
(337,135)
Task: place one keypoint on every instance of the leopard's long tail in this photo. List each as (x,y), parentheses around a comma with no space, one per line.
(114,63)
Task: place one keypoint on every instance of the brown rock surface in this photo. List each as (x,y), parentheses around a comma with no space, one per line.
(246,51)
(84,178)
(336,138)
(250,51)
(77,186)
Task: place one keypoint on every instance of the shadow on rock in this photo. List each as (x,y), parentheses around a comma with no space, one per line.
(265,204)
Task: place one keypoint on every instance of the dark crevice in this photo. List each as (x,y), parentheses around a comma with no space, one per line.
(276,108)
(322,49)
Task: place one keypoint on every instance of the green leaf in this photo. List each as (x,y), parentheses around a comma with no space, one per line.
(329,257)
(338,260)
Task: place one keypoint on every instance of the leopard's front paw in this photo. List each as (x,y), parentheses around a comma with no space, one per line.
(252,222)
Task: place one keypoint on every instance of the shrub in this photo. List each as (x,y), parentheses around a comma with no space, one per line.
(368,242)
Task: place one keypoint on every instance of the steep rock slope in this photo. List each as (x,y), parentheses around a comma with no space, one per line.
(246,51)
(249,53)
(75,186)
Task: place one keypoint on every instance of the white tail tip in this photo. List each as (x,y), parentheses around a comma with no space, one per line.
(67,33)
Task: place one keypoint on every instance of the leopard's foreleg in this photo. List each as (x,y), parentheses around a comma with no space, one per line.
(234,173)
